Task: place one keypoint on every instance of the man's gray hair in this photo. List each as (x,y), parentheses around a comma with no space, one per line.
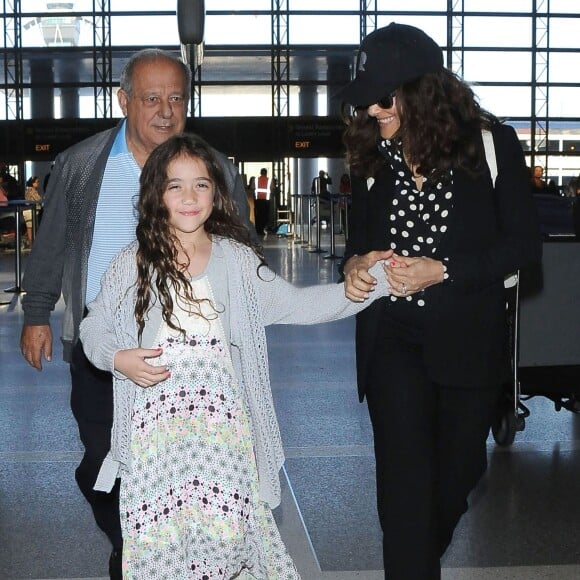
(148,55)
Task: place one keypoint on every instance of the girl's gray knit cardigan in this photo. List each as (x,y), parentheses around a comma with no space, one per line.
(254,301)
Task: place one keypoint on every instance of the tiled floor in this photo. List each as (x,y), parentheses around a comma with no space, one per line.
(524,523)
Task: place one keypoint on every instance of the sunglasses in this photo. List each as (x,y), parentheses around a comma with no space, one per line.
(384,103)
(388,101)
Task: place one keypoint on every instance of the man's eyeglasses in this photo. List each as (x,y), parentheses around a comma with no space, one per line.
(151,101)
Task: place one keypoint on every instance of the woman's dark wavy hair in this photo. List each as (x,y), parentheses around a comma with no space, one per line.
(440,123)
(157,263)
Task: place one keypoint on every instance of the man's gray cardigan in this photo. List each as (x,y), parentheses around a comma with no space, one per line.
(58,262)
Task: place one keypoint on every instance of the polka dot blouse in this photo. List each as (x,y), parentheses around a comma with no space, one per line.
(418,218)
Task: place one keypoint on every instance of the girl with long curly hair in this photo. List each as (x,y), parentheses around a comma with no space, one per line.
(180,322)
(433,356)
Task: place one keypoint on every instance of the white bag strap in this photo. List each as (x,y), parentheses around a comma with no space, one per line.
(511,280)
(490,153)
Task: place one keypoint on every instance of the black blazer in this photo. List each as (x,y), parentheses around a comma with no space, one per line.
(492,232)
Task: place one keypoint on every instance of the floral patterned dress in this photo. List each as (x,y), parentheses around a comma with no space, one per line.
(190,507)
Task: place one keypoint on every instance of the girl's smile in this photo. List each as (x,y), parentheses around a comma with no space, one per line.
(188,197)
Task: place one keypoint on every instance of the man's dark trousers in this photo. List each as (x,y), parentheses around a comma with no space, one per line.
(92,407)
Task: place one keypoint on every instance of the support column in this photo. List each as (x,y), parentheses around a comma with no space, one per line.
(69,103)
(41,106)
(42,91)
(307,168)
(339,74)
(69,96)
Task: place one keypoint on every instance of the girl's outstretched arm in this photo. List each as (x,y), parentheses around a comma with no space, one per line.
(283,303)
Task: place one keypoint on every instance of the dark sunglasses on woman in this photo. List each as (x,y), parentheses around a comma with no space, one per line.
(384,103)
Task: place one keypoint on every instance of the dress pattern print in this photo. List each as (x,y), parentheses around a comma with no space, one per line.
(190,508)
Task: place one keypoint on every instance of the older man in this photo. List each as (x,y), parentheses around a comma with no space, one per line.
(89,215)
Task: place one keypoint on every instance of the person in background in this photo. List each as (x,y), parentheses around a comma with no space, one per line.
(576,218)
(275,200)
(263,193)
(9,192)
(89,215)
(320,185)
(47,178)
(552,188)
(180,323)
(538,183)
(345,191)
(344,185)
(31,193)
(433,356)
(10,184)
(320,189)
(573,187)
(251,195)
(6,221)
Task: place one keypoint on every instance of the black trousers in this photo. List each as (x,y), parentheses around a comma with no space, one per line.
(261,215)
(92,407)
(430,449)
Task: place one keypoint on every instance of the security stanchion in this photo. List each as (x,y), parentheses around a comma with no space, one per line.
(332,255)
(298,220)
(309,225)
(17,207)
(343,200)
(304,220)
(346,211)
(317,249)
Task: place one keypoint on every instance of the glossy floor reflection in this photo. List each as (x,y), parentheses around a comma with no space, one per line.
(524,521)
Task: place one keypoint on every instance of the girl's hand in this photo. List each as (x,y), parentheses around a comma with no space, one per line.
(357,280)
(408,276)
(132,363)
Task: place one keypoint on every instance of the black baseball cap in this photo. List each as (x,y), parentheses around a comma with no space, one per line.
(388,58)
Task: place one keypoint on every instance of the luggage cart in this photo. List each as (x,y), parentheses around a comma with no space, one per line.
(543,307)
